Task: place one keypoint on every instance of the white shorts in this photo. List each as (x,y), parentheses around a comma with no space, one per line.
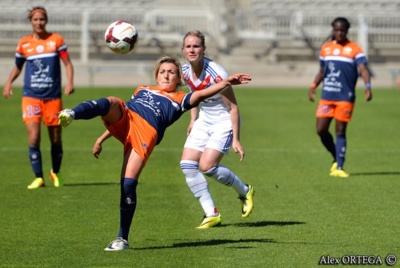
(214,136)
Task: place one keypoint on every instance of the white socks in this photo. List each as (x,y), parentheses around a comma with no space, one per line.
(199,186)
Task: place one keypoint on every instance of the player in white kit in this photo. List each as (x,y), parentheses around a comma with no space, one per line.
(213,129)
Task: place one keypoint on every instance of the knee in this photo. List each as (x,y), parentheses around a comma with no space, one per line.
(205,166)
(340,131)
(211,172)
(322,132)
(189,168)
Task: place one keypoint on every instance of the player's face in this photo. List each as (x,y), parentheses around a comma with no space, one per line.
(340,32)
(168,77)
(38,21)
(193,49)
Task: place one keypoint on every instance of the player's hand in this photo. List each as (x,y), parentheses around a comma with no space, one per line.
(69,89)
(7,92)
(189,129)
(240,78)
(97,148)
(311,94)
(238,149)
(368,94)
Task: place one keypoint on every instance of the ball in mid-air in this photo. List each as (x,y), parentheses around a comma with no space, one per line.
(121,37)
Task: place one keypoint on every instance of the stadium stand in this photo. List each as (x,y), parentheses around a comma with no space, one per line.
(251,32)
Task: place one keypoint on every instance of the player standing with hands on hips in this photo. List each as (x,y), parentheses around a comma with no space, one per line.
(340,60)
(42,51)
(213,128)
(140,125)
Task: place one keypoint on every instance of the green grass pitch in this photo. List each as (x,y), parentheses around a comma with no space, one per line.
(301,214)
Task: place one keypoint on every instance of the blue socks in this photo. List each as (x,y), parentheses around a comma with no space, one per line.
(35,157)
(341,145)
(127,205)
(91,109)
(327,141)
(56,157)
(338,150)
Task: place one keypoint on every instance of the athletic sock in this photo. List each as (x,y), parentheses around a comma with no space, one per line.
(224,175)
(35,157)
(56,157)
(327,141)
(127,205)
(91,109)
(198,186)
(341,144)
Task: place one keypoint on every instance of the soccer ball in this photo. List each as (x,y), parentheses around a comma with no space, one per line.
(121,37)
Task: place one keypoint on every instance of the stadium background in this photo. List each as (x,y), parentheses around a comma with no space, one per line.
(277,41)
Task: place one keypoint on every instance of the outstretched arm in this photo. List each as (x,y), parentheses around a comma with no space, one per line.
(236,79)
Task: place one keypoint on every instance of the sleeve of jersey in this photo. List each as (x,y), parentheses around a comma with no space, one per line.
(135,92)
(19,57)
(221,73)
(360,57)
(321,57)
(62,47)
(19,61)
(186,102)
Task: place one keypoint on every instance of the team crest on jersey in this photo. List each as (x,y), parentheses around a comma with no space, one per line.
(218,79)
(347,50)
(51,44)
(336,51)
(40,49)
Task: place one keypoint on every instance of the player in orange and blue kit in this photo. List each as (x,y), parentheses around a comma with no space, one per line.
(140,125)
(340,60)
(41,101)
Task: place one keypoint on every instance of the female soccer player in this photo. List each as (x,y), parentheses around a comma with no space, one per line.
(339,59)
(211,132)
(140,124)
(41,99)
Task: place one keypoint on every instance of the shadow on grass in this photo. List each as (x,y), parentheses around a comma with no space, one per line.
(233,243)
(264,223)
(375,173)
(211,242)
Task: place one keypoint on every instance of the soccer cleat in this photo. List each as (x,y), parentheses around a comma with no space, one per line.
(210,221)
(339,173)
(247,202)
(333,167)
(65,117)
(56,178)
(117,244)
(38,182)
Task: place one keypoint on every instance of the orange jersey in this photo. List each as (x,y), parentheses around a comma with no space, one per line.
(340,63)
(159,108)
(43,71)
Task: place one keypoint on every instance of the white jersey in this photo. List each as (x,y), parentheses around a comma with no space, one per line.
(213,109)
